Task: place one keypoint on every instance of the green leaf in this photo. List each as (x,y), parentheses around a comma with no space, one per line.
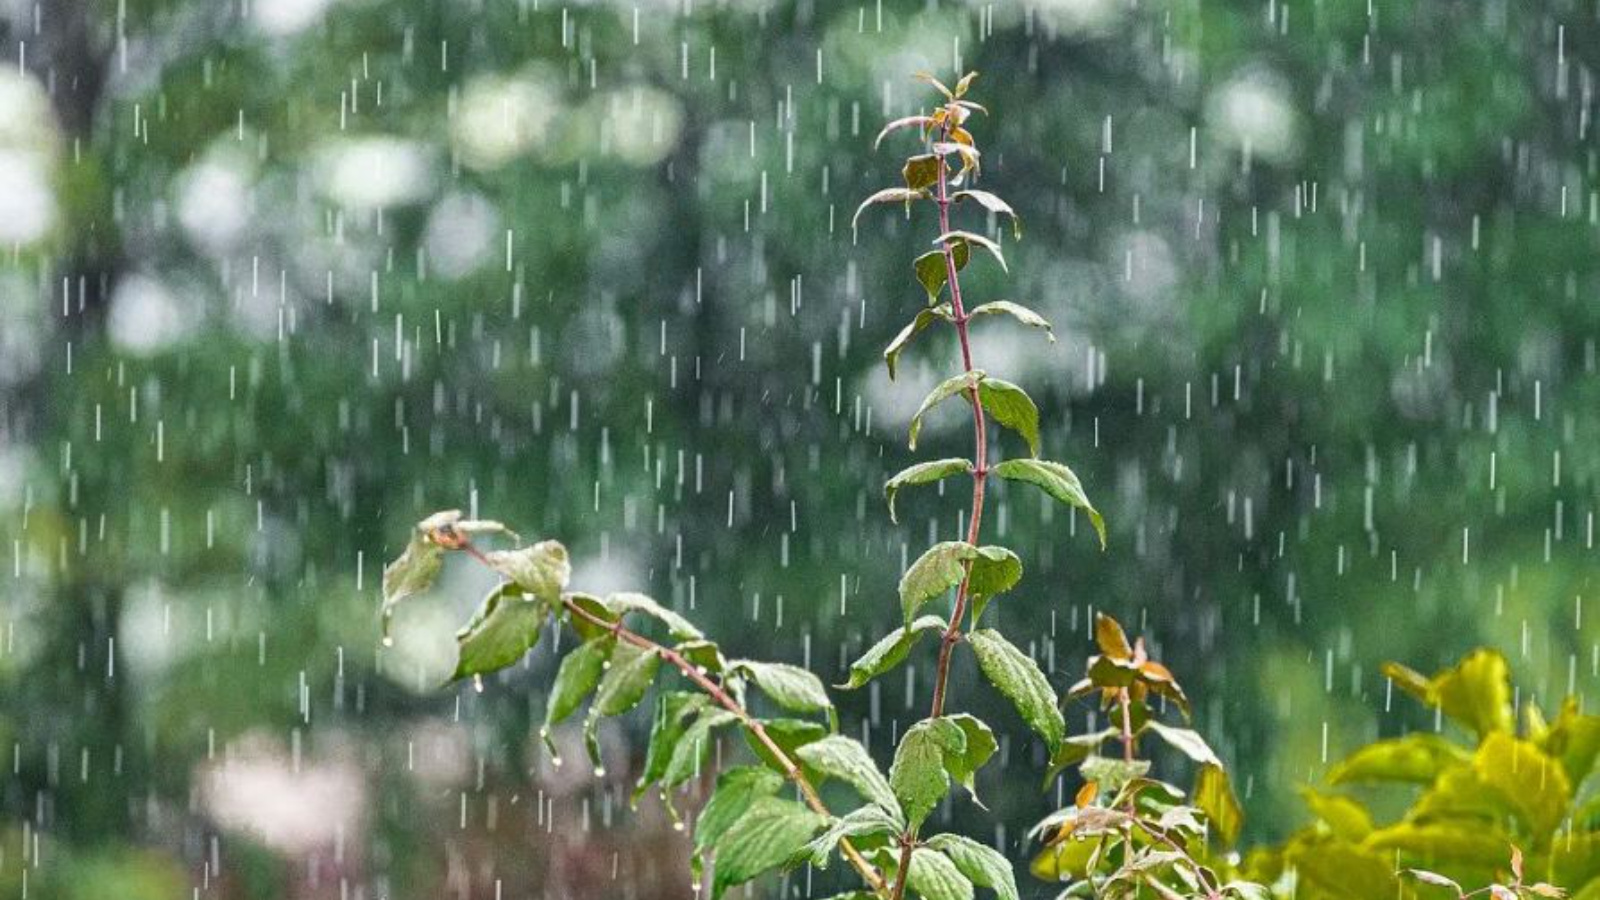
(921,171)
(542,569)
(1573,738)
(994,571)
(499,633)
(1338,870)
(1214,795)
(1187,741)
(1017,311)
(770,833)
(837,756)
(939,568)
(736,790)
(1113,774)
(934,876)
(1057,480)
(630,672)
(791,687)
(933,273)
(578,675)
(790,735)
(944,391)
(891,651)
(1075,749)
(689,755)
(993,204)
(1533,784)
(950,237)
(416,568)
(980,746)
(1012,408)
(923,473)
(673,712)
(919,777)
(594,609)
(1019,679)
(1441,842)
(1418,757)
(680,628)
(887,195)
(1343,816)
(907,122)
(924,318)
(982,864)
(863,822)
(1475,692)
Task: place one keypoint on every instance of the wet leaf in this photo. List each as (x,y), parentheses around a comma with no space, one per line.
(887,195)
(933,271)
(921,172)
(993,204)
(1108,633)
(576,678)
(1056,480)
(1213,793)
(935,876)
(921,122)
(918,324)
(791,687)
(499,633)
(837,756)
(1019,679)
(626,602)
(891,651)
(542,569)
(951,237)
(1418,757)
(771,832)
(1016,311)
(923,473)
(736,789)
(944,391)
(674,711)
(1011,407)
(939,568)
(919,777)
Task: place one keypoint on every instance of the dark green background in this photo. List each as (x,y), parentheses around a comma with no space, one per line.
(1317,269)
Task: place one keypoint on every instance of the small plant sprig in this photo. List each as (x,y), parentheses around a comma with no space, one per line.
(951,747)
(746,826)
(1128,835)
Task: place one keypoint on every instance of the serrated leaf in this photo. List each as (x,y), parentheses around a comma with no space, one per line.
(1187,741)
(950,237)
(995,570)
(942,392)
(691,751)
(1011,407)
(897,124)
(499,633)
(921,171)
(1017,311)
(983,865)
(627,601)
(1018,677)
(1418,757)
(630,672)
(737,789)
(891,651)
(923,318)
(770,833)
(674,710)
(887,195)
(919,777)
(791,687)
(863,822)
(939,568)
(837,756)
(935,876)
(980,746)
(577,676)
(923,473)
(933,272)
(1057,480)
(993,204)
(542,569)
(1214,795)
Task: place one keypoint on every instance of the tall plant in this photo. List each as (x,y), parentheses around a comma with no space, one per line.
(750,824)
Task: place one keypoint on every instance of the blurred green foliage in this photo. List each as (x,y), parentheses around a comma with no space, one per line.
(1323,276)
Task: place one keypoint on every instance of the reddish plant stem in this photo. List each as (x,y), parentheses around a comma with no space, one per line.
(980,462)
(980,472)
(1127,725)
(727,702)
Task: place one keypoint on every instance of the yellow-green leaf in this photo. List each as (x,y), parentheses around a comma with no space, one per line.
(1533,784)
